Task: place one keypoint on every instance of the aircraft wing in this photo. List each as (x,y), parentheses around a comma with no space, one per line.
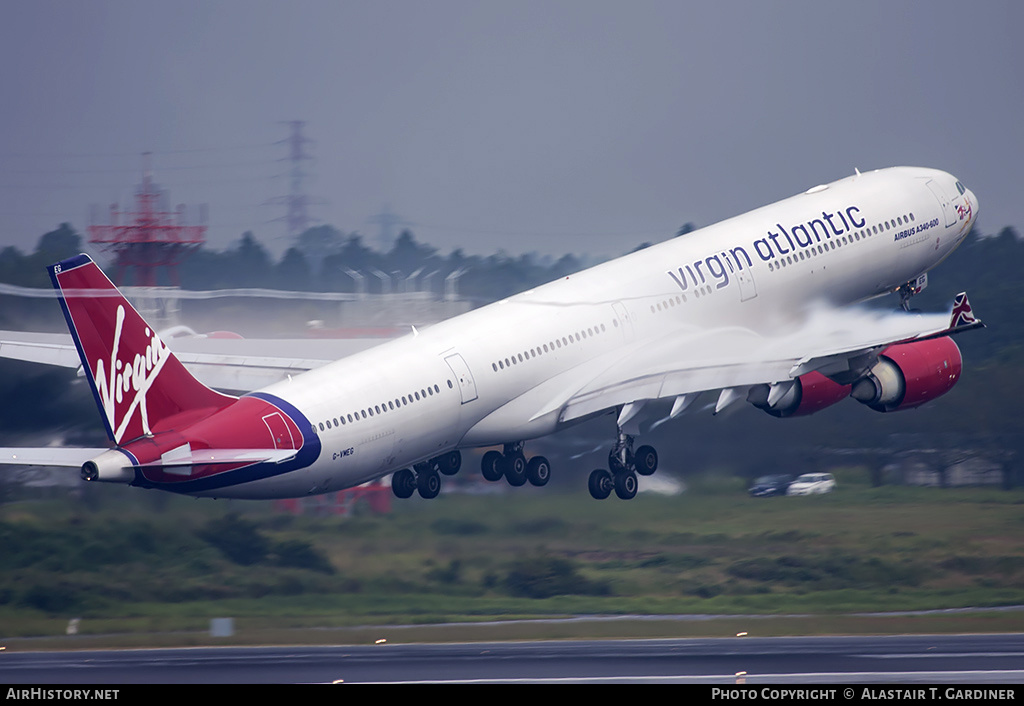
(235,365)
(838,344)
(244,373)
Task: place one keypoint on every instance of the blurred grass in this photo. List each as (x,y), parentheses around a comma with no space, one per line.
(139,564)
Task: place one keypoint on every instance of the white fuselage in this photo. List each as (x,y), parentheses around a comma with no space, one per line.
(487,377)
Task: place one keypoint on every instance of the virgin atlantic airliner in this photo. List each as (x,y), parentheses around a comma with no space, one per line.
(759,308)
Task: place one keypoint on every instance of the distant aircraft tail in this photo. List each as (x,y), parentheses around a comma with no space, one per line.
(136,380)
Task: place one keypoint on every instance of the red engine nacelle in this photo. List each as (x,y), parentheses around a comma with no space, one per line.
(807,394)
(909,374)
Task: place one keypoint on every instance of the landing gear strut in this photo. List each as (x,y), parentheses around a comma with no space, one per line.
(425,477)
(624,464)
(428,480)
(909,289)
(512,464)
(906,292)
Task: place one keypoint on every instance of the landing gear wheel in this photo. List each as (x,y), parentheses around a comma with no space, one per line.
(625,485)
(491,465)
(403,483)
(600,484)
(538,471)
(646,460)
(449,463)
(515,469)
(428,483)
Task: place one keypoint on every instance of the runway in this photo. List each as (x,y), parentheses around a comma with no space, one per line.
(939,659)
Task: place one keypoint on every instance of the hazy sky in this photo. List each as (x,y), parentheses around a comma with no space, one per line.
(582,127)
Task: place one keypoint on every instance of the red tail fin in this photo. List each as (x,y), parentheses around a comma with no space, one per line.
(136,380)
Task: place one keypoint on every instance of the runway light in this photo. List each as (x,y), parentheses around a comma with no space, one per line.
(380,641)
(741,677)
(741,634)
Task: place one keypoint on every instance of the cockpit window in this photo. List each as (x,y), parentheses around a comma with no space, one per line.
(960,188)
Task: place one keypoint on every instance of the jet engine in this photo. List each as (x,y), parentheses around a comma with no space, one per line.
(909,374)
(805,395)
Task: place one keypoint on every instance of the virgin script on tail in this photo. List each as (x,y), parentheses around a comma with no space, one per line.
(136,379)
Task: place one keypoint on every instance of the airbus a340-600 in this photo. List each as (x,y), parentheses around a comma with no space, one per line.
(755,308)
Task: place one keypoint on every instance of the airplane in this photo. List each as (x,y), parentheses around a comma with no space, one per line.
(754,308)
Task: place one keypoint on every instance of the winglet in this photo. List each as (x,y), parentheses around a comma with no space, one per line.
(962,315)
(961,319)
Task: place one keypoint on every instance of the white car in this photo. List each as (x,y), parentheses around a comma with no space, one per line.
(812,484)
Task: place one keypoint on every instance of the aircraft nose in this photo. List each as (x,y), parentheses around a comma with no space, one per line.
(974,204)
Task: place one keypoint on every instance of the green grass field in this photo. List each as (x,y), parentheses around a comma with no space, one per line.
(142,569)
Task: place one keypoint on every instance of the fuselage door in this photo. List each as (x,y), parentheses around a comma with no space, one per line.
(622,314)
(748,289)
(464,378)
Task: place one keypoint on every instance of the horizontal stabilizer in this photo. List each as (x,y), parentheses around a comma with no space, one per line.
(59,456)
(208,457)
(76,457)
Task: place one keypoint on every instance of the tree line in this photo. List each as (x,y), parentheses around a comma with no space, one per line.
(318,261)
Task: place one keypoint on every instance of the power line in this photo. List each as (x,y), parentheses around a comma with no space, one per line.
(126,170)
(93,155)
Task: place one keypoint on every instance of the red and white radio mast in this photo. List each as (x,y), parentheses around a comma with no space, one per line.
(150,237)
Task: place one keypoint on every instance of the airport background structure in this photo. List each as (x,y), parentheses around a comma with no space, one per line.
(150,238)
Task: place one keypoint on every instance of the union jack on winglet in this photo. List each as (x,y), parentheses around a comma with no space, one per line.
(962,314)
(961,319)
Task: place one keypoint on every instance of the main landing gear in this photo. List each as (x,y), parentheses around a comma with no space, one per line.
(512,464)
(425,477)
(623,465)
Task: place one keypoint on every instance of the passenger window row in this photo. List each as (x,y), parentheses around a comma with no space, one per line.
(821,248)
(550,347)
(383,407)
(668,303)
